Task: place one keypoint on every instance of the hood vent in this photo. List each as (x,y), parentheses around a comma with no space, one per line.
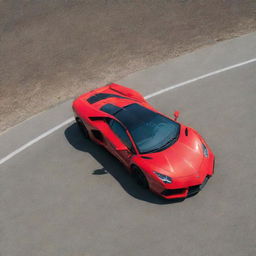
(186,131)
(146,157)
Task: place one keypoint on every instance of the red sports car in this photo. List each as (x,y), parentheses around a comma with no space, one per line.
(167,157)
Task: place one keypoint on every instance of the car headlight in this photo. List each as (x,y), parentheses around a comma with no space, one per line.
(164,178)
(205,150)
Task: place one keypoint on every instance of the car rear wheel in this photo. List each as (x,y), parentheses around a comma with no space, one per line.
(139,177)
(82,127)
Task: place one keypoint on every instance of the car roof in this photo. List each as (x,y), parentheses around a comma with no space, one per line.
(130,115)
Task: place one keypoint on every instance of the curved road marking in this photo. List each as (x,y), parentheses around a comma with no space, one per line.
(17,151)
(45,134)
(200,78)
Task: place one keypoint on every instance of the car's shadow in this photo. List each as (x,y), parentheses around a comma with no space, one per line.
(111,166)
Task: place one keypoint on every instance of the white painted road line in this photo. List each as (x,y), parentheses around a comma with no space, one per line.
(45,134)
(200,78)
(17,151)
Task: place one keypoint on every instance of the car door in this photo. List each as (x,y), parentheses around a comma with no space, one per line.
(125,153)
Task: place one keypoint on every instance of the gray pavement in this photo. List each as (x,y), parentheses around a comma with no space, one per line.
(56,198)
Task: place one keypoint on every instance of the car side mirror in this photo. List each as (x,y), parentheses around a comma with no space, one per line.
(176,115)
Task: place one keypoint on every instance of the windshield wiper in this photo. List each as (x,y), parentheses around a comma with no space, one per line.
(163,146)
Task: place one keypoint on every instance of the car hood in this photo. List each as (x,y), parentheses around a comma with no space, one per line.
(184,158)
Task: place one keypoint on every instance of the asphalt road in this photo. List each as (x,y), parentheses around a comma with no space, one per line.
(67,196)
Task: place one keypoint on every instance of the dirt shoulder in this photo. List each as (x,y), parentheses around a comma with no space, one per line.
(54,50)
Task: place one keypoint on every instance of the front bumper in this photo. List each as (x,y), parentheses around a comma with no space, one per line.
(187,186)
(184,192)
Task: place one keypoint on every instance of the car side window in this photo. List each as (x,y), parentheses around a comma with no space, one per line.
(119,130)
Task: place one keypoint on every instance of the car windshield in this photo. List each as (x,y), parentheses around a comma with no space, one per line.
(151,131)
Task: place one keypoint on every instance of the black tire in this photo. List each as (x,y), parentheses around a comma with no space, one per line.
(139,177)
(82,127)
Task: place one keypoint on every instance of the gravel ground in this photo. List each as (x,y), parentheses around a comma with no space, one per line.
(54,50)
